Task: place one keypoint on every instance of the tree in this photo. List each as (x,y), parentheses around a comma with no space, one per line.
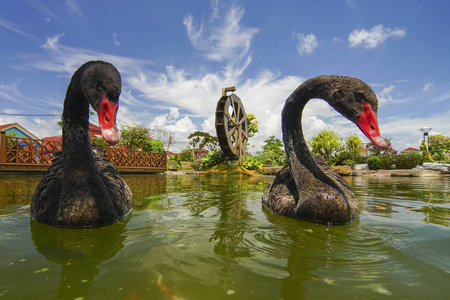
(273,149)
(199,139)
(325,143)
(252,125)
(138,138)
(438,144)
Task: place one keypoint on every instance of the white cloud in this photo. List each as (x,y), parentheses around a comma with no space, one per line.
(222,37)
(16,29)
(73,6)
(427,87)
(374,37)
(116,41)
(306,43)
(66,59)
(385,96)
(209,125)
(181,128)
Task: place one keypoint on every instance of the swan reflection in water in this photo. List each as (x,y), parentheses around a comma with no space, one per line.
(79,252)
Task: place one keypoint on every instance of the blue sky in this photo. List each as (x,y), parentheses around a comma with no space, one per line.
(175,57)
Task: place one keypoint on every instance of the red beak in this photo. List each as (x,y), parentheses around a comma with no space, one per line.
(106,112)
(368,124)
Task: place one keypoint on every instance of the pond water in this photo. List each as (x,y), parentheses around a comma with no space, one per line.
(208,237)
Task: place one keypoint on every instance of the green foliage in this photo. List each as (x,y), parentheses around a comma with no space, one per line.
(440,157)
(374,163)
(273,150)
(99,141)
(338,158)
(253,163)
(186,155)
(426,154)
(204,140)
(252,125)
(156,146)
(397,161)
(212,159)
(343,158)
(175,162)
(353,144)
(138,138)
(438,144)
(325,143)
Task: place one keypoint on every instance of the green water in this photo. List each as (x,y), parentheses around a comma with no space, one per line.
(208,237)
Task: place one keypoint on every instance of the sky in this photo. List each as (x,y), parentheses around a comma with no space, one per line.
(176,56)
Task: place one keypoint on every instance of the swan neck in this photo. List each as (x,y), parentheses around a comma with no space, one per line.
(296,147)
(76,142)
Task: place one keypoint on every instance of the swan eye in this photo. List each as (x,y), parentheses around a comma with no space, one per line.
(97,85)
(359,96)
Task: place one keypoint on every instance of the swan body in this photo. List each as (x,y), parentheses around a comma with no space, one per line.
(82,188)
(307,188)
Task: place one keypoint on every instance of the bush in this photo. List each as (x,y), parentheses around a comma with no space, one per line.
(253,163)
(156,146)
(408,161)
(340,158)
(440,157)
(186,155)
(212,159)
(401,161)
(374,163)
(136,138)
(99,141)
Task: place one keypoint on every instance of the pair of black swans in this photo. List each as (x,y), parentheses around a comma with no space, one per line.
(83,189)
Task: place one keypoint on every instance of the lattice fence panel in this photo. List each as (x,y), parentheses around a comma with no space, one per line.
(141,159)
(22,150)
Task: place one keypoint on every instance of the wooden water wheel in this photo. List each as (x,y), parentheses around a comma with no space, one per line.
(231,125)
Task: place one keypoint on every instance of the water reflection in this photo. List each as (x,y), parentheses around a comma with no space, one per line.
(385,196)
(16,189)
(79,252)
(208,237)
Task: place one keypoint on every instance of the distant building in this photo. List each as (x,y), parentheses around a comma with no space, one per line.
(17,130)
(410,150)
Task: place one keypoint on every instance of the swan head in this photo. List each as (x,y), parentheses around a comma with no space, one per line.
(101,85)
(356,101)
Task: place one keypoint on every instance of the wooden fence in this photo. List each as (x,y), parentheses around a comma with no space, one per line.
(24,154)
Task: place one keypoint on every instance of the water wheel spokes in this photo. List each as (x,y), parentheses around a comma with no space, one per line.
(231,126)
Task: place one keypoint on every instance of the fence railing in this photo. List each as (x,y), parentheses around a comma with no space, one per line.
(20,153)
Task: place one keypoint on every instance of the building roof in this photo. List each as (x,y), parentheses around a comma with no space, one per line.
(410,149)
(53,138)
(22,130)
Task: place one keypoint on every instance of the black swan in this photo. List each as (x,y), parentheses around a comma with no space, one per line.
(308,189)
(81,188)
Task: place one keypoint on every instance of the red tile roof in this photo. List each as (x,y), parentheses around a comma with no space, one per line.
(410,149)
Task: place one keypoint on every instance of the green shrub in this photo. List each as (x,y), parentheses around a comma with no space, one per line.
(212,159)
(400,161)
(99,141)
(253,163)
(440,157)
(186,155)
(408,161)
(374,163)
(348,162)
(156,146)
